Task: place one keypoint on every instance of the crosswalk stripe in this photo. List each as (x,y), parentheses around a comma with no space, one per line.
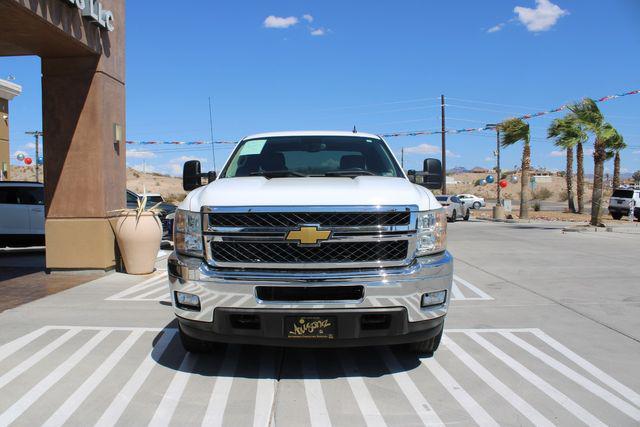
(498,386)
(318,412)
(161,289)
(555,394)
(477,412)
(18,408)
(455,290)
(589,385)
(36,357)
(220,394)
(145,284)
(265,389)
(113,413)
(475,289)
(68,408)
(367,406)
(172,395)
(410,390)
(11,347)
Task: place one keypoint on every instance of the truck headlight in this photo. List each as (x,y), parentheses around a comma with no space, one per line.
(432,232)
(187,233)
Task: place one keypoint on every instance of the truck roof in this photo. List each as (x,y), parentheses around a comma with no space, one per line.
(311,133)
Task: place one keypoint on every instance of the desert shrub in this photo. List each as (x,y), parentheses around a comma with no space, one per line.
(536,206)
(563,196)
(175,197)
(136,174)
(542,194)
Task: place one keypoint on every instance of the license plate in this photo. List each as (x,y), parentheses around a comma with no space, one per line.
(315,327)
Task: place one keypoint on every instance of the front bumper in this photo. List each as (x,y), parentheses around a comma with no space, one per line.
(393,291)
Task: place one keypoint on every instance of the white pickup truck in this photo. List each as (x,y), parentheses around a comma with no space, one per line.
(311,239)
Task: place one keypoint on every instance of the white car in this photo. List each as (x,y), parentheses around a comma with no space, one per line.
(21,213)
(472,201)
(303,240)
(455,207)
(621,200)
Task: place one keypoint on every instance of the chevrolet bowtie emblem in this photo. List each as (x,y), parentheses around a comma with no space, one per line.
(308,235)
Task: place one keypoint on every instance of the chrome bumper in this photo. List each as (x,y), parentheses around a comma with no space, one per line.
(388,287)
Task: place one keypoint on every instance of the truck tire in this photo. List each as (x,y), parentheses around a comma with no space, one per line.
(476,205)
(466,217)
(428,346)
(616,215)
(194,345)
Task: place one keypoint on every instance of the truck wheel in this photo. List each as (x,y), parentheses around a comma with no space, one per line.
(454,215)
(194,345)
(616,215)
(466,217)
(476,205)
(427,347)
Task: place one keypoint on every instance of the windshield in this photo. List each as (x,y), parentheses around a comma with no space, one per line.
(312,156)
(442,198)
(154,199)
(624,194)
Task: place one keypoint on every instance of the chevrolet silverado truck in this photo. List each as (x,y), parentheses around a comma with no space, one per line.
(311,239)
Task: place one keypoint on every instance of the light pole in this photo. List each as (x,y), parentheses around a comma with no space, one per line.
(37,134)
(498,172)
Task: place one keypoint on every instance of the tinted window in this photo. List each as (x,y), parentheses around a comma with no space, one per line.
(9,195)
(455,200)
(22,195)
(442,198)
(625,194)
(132,198)
(154,199)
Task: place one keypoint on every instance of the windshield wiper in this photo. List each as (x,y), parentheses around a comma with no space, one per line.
(278,174)
(350,173)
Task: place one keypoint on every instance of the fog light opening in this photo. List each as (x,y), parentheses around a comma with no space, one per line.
(186,301)
(433,299)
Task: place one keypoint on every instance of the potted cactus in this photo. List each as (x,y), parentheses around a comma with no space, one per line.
(139,234)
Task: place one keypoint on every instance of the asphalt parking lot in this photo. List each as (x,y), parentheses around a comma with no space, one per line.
(543,329)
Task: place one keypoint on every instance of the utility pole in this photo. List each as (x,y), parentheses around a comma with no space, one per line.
(444,149)
(213,146)
(402,158)
(37,134)
(498,171)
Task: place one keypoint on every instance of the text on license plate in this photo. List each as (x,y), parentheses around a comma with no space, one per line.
(318,327)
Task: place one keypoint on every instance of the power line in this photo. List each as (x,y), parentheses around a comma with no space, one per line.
(407,101)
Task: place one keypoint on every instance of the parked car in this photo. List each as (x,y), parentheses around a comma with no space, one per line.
(303,240)
(21,213)
(472,201)
(165,210)
(455,207)
(619,202)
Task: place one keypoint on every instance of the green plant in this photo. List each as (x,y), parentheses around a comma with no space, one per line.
(563,198)
(542,194)
(512,131)
(636,176)
(536,206)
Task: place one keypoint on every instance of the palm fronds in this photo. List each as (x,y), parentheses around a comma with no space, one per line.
(514,130)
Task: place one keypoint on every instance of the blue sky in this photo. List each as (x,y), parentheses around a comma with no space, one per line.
(309,64)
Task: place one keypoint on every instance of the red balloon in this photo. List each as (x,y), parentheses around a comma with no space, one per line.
(503,183)
(27,160)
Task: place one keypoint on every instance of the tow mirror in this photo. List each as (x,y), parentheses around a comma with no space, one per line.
(191,175)
(411,174)
(432,174)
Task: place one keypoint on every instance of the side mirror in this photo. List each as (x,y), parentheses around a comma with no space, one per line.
(191,175)
(432,174)
(211,176)
(411,174)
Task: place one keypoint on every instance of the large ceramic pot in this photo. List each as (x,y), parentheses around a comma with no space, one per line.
(139,241)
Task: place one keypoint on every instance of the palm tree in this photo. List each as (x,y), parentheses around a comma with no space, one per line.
(580,176)
(617,144)
(568,133)
(512,131)
(590,116)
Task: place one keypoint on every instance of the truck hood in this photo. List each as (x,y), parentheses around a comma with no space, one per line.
(320,191)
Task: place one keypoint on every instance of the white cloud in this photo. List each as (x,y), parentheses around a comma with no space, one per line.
(423,149)
(307,17)
(636,152)
(496,28)
(318,32)
(273,21)
(30,145)
(588,152)
(174,167)
(542,18)
(489,159)
(133,153)
(145,167)
(557,153)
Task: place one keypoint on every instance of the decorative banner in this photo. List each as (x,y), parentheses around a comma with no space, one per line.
(525,117)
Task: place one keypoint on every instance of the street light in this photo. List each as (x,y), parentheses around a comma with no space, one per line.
(498,172)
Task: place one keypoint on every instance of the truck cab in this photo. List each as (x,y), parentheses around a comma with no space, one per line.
(311,239)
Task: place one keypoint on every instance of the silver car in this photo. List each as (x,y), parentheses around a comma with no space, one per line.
(455,207)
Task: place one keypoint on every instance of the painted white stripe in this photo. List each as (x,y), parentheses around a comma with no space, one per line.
(318,412)
(555,394)
(220,393)
(11,347)
(374,301)
(498,386)
(150,282)
(455,290)
(266,389)
(475,289)
(113,413)
(409,389)
(172,395)
(68,408)
(30,397)
(625,391)
(594,388)
(477,412)
(36,357)
(368,408)
(159,288)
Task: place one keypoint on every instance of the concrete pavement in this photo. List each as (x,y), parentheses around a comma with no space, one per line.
(543,329)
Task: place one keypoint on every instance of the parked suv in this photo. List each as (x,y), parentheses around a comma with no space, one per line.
(619,202)
(472,201)
(311,239)
(21,213)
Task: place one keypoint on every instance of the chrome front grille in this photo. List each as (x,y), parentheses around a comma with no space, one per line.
(361,236)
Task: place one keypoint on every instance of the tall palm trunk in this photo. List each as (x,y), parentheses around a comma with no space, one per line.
(580,176)
(599,156)
(616,170)
(569,176)
(524,182)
